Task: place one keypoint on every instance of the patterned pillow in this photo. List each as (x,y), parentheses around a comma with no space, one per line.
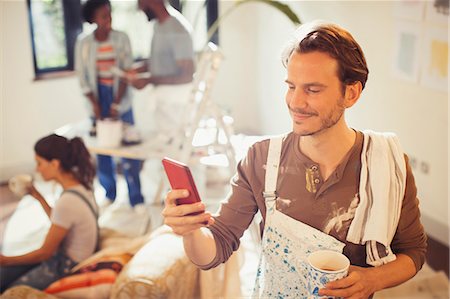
(91,281)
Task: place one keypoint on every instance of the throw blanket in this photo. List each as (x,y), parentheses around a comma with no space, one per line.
(381,192)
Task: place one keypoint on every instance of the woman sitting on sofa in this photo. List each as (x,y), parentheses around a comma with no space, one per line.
(73,234)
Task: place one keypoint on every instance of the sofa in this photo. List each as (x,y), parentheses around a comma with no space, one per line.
(152,266)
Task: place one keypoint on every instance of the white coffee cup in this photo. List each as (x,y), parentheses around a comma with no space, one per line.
(20,184)
(325,266)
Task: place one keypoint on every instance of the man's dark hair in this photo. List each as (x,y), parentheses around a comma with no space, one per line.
(336,42)
(89,8)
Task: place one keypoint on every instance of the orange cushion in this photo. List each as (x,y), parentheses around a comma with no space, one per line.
(82,280)
(92,278)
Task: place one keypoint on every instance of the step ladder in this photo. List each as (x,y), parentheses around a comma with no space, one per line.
(203,114)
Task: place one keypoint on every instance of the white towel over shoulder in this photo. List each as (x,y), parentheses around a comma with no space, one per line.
(381,192)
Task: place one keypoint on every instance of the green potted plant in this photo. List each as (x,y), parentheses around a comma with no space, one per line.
(279,6)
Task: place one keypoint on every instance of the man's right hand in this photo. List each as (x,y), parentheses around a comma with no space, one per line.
(180,218)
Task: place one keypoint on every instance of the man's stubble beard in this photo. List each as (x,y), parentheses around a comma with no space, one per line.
(332,119)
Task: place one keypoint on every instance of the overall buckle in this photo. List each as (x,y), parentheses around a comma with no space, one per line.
(270,194)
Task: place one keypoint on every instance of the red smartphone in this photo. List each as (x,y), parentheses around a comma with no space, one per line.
(180,177)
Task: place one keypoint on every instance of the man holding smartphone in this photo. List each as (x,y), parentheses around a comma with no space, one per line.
(322,186)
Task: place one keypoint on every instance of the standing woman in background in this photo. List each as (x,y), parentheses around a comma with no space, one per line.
(73,234)
(109,97)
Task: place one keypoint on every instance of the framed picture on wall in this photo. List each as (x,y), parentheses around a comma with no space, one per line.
(434,69)
(406,57)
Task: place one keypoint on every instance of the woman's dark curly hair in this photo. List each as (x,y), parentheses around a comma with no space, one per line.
(89,8)
(72,154)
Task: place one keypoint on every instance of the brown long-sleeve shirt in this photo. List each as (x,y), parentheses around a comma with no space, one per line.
(303,195)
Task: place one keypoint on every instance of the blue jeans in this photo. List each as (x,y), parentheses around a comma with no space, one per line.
(38,276)
(105,164)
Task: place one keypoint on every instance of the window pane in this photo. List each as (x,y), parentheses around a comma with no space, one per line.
(48,33)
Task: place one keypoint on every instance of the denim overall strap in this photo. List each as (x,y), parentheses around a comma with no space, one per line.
(97,243)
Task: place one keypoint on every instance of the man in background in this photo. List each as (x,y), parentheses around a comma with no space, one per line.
(170,66)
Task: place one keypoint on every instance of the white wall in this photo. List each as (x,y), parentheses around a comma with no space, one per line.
(235,88)
(30,109)
(250,84)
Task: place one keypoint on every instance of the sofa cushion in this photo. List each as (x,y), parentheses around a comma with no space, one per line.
(84,285)
(160,269)
(25,292)
(93,280)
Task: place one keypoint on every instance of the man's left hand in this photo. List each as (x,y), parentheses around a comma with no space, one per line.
(359,284)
